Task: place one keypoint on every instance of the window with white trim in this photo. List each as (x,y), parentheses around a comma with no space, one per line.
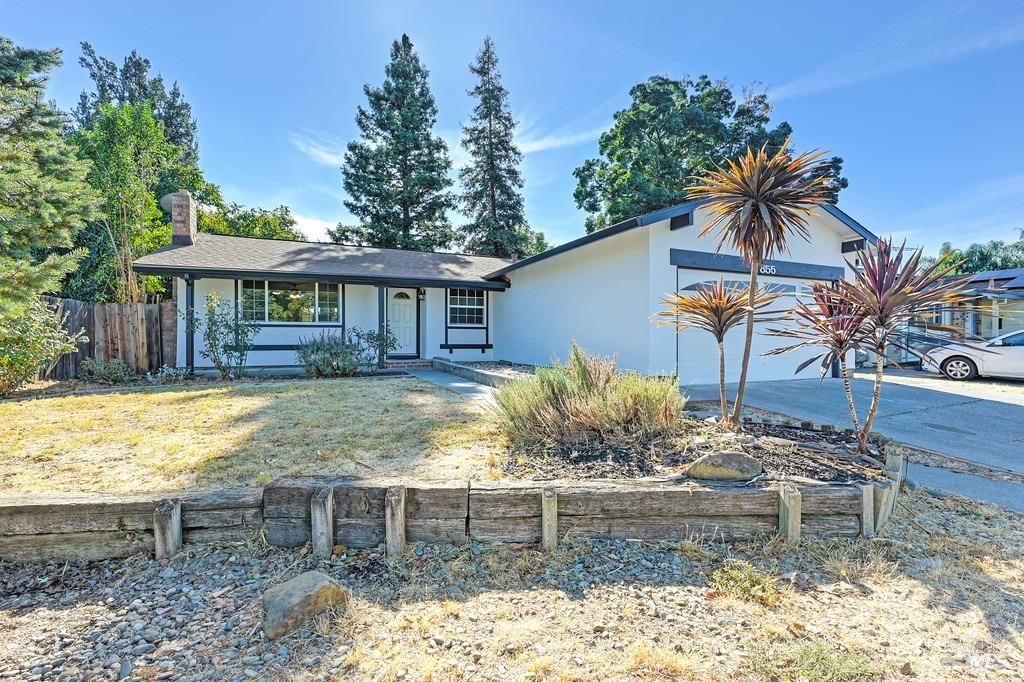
(466,307)
(296,302)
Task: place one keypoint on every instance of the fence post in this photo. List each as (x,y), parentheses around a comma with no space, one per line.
(549,519)
(789,512)
(394,520)
(321,510)
(167,528)
(867,510)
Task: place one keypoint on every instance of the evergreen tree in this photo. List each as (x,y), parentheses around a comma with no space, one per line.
(44,197)
(396,176)
(491,181)
(132,84)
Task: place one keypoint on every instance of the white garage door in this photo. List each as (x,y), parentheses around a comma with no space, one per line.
(698,352)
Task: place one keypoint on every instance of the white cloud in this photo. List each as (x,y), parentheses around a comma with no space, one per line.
(937,33)
(529,144)
(315,229)
(319,146)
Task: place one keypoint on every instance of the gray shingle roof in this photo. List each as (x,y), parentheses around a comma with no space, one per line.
(262,258)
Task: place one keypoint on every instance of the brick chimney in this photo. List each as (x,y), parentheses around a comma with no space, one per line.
(183,218)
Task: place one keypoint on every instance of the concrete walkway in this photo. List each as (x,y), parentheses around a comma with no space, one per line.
(465,387)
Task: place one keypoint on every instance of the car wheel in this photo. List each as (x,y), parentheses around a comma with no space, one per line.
(960,369)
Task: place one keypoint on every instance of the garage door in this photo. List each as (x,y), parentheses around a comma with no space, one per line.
(698,352)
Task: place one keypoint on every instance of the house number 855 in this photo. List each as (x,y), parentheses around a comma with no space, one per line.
(766,270)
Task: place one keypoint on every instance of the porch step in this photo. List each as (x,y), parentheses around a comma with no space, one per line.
(413,363)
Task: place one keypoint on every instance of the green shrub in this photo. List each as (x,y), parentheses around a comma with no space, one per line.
(31,339)
(111,372)
(586,402)
(741,580)
(329,355)
(167,375)
(226,339)
(357,351)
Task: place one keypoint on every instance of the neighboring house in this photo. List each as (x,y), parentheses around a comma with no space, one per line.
(600,290)
(995,305)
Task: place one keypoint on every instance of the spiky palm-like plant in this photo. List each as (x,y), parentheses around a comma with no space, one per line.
(831,324)
(757,203)
(891,291)
(716,309)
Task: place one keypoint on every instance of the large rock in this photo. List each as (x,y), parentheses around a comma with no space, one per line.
(724,465)
(287,605)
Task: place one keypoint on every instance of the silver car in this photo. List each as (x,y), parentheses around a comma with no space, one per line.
(1002,356)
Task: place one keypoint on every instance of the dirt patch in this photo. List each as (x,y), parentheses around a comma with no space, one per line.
(784,451)
(509,369)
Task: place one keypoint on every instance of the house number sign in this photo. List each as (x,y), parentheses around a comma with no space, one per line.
(704,260)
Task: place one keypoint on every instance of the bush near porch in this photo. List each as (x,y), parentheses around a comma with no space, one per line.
(240,434)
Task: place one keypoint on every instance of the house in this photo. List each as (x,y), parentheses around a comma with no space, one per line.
(995,304)
(600,290)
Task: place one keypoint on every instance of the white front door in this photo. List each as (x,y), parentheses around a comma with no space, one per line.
(402,320)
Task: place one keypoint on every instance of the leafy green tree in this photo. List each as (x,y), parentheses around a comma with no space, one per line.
(44,196)
(491,181)
(981,257)
(133,84)
(396,176)
(128,151)
(673,133)
(239,221)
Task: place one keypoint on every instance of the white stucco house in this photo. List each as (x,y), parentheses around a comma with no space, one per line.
(600,290)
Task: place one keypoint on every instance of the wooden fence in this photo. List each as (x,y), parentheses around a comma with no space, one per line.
(143,335)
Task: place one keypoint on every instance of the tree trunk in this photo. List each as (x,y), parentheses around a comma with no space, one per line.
(873,409)
(722,396)
(849,394)
(751,296)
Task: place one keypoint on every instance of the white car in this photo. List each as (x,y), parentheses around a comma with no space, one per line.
(1002,356)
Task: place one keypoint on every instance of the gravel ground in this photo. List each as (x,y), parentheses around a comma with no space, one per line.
(512,369)
(941,597)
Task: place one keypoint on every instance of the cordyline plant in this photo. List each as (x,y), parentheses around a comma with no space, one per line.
(757,203)
(716,309)
(830,323)
(891,292)
(887,292)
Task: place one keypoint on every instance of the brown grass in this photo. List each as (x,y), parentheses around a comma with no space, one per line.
(239,434)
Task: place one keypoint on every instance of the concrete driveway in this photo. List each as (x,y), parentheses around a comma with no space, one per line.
(979,421)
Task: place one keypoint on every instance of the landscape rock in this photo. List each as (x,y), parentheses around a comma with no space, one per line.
(724,465)
(287,605)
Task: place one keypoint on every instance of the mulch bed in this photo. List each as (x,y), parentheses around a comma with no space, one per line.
(785,452)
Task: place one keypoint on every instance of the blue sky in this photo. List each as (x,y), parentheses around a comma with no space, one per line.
(922,100)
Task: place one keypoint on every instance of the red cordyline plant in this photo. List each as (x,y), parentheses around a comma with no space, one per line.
(832,324)
(716,309)
(757,203)
(887,292)
(891,291)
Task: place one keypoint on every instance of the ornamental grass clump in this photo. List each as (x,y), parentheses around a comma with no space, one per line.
(586,403)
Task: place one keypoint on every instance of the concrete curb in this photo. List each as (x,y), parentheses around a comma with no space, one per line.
(480,376)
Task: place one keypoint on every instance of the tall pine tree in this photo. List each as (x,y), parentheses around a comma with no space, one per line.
(44,197)
(396,176)
(491,181)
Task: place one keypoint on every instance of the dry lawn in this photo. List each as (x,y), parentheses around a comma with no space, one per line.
(940,598)
(240,434)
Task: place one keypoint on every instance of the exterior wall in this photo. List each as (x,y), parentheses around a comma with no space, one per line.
(360,305)
(1000,317)
(596,295)
(666,350)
